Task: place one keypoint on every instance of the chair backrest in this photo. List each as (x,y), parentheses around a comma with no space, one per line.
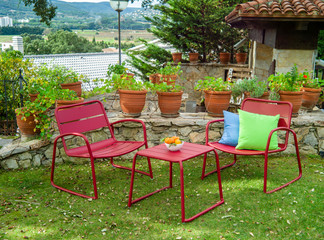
(82,117)
(268,107)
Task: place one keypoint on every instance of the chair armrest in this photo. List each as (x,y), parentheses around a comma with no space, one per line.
(78,135)
(207,128)
(131,120)
(280,129)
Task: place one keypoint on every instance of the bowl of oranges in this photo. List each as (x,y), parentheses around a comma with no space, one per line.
(173,143)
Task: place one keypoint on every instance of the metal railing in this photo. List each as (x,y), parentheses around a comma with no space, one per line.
(11,90)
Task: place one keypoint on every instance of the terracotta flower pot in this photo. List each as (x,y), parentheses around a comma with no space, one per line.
(169,103)
(176,57)
(265,95)
(59,103)
(193,57)
(155,78)
(310,97)
(294,97)
(224,57)
(216,102)
(27,125)
(241,58)
(73,86)
(169,79)
(33,97)
(132,102)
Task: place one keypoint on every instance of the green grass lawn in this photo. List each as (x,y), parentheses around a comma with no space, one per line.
(6,38)
(31,208)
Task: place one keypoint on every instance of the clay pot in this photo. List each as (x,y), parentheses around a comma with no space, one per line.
(132,102)
(294,97)
(59,103)
(169,103)
(169,79)
(155,78)
(224,57)
(26,126)
(176,57)
(193,57)
(33,97)
(265,95)
(216,102)
(241,58)
(310,97)
(73,86)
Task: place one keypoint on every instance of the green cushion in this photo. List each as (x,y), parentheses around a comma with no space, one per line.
(255,129)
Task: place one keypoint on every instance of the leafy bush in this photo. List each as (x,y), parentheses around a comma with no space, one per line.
(212,84)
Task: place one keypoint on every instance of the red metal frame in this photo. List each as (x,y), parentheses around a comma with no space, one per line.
(74,120)
(188,151)
(266,107)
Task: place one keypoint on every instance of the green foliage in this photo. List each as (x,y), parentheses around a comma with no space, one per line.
(164,87)
(148,60)
(21,30)
(309,81)
(253,86)
(171,69)
(212,84)
(120,81)
(320,45)
(43,8)
(290,81)
(116,69)
(196,26)
(10,64)
(60,42)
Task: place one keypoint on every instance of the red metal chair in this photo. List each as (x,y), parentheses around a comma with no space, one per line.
(265,107)
(77,119)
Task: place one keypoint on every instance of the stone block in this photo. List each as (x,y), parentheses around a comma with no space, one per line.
(37,160)
(98,136)
(307,150)
(184,132)
(320,132)
(196,137)
(161,123)
(10,163)
(25,156)
(321,145)
(49,152)
(310,139)
(24,163)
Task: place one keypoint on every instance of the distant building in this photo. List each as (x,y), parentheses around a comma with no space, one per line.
(6,22)
(16,44)
(110,50)
(23,20)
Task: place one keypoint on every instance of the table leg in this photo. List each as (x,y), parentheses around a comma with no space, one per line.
(170,185)
(182,192)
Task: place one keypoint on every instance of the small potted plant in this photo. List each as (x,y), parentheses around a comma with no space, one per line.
(67,97)
(119,69)
(132,92)
(312,88)
(250,88)
(193,57)
(288,87)
(224,57)
(241,55)
(170,72)
(217,95)
(177,57)
(169,98)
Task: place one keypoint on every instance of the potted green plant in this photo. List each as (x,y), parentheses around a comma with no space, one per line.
(288,87)
(312,88)
(177,57)
(193,57)
(169,98)
(241,54)
(250,88)
(66,97)
(170,72)
(132,92)
(217,95)
(224,57)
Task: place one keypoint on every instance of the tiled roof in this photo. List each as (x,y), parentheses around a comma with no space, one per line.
(279,9)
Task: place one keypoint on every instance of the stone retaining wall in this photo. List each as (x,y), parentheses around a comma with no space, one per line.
(190,127)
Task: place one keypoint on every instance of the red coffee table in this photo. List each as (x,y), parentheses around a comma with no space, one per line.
(188,151)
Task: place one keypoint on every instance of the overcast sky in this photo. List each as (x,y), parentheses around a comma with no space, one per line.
(135,4)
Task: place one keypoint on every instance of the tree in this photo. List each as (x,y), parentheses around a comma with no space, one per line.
(43,8)
(320,46)
(196,26)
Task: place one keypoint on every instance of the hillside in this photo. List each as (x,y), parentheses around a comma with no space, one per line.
(14,9)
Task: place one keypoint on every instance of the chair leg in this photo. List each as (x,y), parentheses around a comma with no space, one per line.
(67,190)
(286,184)
(150,174)
(203,175)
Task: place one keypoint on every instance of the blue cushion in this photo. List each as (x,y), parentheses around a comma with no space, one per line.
(231,129)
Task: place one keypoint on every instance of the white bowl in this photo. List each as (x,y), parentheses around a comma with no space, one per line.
(174,148)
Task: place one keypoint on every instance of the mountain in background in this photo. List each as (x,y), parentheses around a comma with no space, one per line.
(16,10)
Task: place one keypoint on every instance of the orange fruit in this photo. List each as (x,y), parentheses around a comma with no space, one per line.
(177,141)
(174,138)
(168,140)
